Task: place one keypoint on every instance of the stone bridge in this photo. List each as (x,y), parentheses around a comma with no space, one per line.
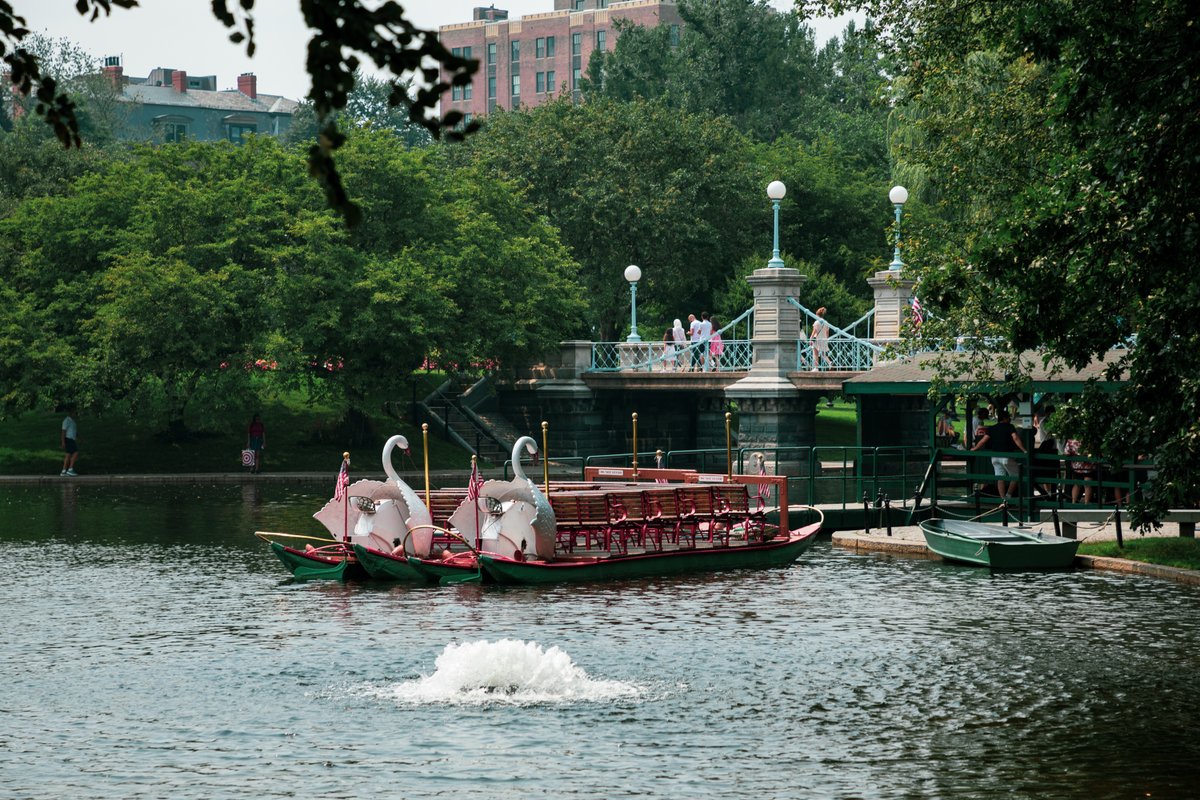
(590,410)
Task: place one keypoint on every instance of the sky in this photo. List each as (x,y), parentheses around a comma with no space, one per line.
(183,34)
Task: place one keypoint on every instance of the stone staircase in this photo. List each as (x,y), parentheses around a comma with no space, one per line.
(448,410)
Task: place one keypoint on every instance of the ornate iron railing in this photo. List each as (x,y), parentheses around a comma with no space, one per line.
(734,353)
(841,351)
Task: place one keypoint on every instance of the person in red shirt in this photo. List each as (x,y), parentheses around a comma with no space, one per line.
(256,440)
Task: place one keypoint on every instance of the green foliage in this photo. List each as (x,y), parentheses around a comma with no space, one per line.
(169,276)
(633,183)
(1059,143)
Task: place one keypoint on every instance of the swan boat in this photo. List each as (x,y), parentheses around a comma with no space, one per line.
(371,517)
(996,546)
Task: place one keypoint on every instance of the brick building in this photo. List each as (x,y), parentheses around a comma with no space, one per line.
(526,61)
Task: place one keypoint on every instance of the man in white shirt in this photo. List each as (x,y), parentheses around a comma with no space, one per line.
(694,336)
(705,335)
(69,433)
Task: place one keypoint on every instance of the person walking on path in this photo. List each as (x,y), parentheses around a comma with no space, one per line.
(256,440)
(820,340)
(1002,438)
(705,329)
(69,435)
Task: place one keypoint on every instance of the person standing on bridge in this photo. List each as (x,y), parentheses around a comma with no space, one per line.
(820,341)
(706,329)
(680,345)
(694,336)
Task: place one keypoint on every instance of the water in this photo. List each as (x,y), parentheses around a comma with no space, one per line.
(153,648)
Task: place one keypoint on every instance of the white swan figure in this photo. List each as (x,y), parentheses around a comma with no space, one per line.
(511,515)
(417,518)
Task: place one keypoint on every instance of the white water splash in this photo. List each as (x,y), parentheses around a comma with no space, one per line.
(506,672)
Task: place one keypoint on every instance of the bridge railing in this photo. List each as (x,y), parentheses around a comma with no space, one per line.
(734,353)
(842,351)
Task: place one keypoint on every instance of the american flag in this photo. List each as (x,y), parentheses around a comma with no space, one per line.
(474,483)
(343,481)
(918,313)
(764,489)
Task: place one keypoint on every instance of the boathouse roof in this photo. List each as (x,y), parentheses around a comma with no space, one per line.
(915,374)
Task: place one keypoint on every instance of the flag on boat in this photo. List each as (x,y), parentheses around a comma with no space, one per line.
(764,489)
(918,313)
(475,482)
(343,481)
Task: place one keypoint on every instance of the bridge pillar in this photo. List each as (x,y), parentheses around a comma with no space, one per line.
(772,412)
(893,295)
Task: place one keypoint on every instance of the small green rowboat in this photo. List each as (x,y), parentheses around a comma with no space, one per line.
(778,552)
(326,563)
(996,546)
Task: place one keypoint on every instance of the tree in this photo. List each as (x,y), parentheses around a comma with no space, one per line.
(344,30)
(175,274)
(636,182)
(1082,237)
(367,106)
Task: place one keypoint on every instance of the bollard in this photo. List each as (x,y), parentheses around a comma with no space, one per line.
(887,510)
(867,514)
(1117,517)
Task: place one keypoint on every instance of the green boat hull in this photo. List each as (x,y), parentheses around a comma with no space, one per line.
(774,553)
(383,567)
(997,547)
(307,568)
(437,572)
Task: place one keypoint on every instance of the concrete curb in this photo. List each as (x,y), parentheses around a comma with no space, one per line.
(881,544)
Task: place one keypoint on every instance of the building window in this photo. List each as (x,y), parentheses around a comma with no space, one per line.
(516,50)
(576,44)
(174,131)
(491,53)
(579,5)
(576,77)
(550,87)
(602,4)
(539,83)
(456,52)
(456,93)
(467,117)
(539,47)
(238,133)
(601,37)
(674,36)
(549,47)
(516,85)
(467,92)
(492,87)
(466,52)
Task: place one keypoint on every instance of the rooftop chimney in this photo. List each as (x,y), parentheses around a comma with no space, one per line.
(114,71)
(492,14)
(179,80)
(248,85)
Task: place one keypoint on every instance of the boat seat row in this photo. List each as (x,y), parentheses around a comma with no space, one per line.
(651,518)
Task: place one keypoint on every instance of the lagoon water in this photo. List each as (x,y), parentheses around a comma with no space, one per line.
(153,648)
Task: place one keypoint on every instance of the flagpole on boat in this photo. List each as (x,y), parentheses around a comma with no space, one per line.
(475,502)
(425,445)
(545,459)
(346,498)
(635,475)
(728,446)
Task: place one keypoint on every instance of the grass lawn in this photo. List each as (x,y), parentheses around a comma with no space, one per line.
(837,426)
(1169,551)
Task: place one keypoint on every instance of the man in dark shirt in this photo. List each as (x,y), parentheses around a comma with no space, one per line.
(1002,438)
